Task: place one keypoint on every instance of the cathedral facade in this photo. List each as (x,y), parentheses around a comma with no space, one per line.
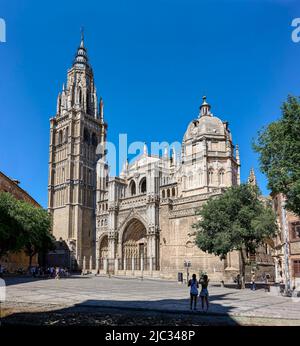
(139,223)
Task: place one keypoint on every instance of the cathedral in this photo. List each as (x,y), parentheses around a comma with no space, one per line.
(140,222)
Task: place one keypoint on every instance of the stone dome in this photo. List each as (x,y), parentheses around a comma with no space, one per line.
(206,124)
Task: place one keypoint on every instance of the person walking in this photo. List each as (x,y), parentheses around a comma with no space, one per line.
(193,284)
(204,291)
(253,286)
(57,277)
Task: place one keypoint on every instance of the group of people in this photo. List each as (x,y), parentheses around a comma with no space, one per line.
(194,285)
(50,272)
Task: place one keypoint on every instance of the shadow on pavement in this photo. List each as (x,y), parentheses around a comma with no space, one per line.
(165,312)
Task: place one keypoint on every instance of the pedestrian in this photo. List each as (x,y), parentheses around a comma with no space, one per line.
(238,281)
(193,284)
(57,272)
(267,287)
(253,286)
(204,291)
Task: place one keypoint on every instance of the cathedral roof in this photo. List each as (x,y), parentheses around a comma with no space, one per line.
(206,124)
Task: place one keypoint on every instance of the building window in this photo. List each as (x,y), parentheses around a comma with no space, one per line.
(143,186)
(296,268)
(210,176)
(163,194)
(168,193)
(173,192)
(60,136)
(221,177)
(294,230)
(132,188)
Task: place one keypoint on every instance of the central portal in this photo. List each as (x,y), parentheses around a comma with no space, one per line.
(134,246)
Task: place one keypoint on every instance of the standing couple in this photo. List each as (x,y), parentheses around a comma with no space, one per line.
(194,285)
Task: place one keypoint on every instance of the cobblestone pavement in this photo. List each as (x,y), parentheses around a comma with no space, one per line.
(144,301)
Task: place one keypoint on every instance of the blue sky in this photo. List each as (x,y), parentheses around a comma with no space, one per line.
(153,61)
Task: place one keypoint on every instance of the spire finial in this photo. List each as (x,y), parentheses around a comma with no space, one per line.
(204,108)
(82,37)
(101,109)
(145,149)
(252,177)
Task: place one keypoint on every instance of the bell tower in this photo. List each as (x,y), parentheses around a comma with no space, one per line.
(75,131)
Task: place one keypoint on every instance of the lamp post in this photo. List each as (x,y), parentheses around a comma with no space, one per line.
(287,278)
(187,265)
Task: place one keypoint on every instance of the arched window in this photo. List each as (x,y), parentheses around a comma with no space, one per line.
(210,176)
(221,177)
(173,191)
(163,194)
(143,185)
(60,136)
(67,134)
(168,193)
(190,180)
(200,178)
(94,140)
(132,188)
(80,95)
(86,136)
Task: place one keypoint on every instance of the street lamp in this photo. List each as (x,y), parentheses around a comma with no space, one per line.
(286,248)
(187,265)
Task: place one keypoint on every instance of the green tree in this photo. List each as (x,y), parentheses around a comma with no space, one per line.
(36,225)
(278,146)
(10,227)
(23,226)
(235,220)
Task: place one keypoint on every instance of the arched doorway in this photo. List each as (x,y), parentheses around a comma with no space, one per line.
(103,251)
(134,246)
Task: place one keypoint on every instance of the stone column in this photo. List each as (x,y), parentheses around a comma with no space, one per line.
(91,263)
(105,265)
(132,265)
(116,266)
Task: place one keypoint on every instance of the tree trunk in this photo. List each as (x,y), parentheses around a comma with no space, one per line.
(243,266)
(30,260)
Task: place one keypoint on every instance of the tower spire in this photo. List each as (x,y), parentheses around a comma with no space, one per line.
(252,177)
(81,58)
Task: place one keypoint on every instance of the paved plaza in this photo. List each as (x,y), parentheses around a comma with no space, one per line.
(149,295)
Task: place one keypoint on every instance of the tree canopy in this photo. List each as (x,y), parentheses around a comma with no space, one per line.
(235,220)
(278,145)
(23,226)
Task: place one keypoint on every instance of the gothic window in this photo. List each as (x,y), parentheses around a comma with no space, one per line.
(221,177)
(294,230)
(296,268)
(173,191)
(190,180)
(168,193)
(67,134)
(80,95)
(210,176)
(94,140)
(132,188)
(163,194)
(143,186)
(60,136)
(86,136)
(200,178)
